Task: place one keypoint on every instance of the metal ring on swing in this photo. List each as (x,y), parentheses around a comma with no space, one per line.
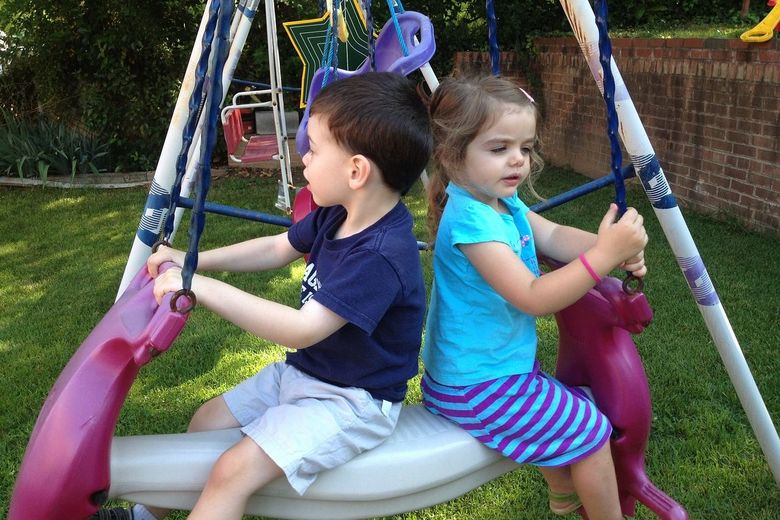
(193,301)
(633,284)
(161,242)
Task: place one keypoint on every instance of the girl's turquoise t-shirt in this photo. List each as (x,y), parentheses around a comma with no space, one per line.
(472,333)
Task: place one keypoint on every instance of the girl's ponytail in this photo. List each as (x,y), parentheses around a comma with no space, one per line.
(437,198)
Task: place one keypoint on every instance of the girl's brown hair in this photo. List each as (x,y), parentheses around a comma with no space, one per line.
(460,108)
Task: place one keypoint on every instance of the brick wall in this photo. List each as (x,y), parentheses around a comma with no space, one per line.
(711,109)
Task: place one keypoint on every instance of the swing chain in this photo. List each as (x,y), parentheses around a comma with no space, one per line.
(631,284)
(161,242)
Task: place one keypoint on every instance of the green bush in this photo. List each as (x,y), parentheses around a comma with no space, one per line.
(115,67)
(109,66)
(35,148)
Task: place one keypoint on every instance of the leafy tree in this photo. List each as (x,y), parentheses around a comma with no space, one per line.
(113,68)
(110,67)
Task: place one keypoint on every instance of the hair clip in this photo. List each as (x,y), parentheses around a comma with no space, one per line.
(527,95)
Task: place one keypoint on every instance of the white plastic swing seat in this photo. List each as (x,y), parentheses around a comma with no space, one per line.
(426,461)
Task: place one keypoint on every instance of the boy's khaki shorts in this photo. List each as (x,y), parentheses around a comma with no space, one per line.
(305,425)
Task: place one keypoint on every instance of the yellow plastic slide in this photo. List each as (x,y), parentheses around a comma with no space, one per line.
(765,29)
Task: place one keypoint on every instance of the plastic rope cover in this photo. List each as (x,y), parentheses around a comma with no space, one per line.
(195,106)
(371,39)
(605,58)
(214,100)
(393,13)
(330,56)
(495,57)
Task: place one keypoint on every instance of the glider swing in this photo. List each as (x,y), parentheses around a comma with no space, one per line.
(68,472)
(169,471)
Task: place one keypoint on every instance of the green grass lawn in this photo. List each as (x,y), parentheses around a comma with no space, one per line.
(62,254)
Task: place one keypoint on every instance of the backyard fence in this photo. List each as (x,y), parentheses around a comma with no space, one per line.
(711,108)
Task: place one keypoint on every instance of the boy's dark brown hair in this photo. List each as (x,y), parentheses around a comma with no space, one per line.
(379,115)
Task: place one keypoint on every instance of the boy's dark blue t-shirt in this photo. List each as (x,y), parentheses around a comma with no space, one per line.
(373,280)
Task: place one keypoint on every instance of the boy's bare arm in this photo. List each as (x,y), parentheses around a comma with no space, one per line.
(294,328)
(259,254)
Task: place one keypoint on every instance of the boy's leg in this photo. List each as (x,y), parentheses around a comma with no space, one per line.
(596,484)
(238,473)
(314,427)
(254,394)
(212,415)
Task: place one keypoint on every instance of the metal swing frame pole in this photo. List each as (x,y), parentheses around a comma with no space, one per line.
(635,139)
(165,172)
(277,100)
(156,208)
(241,23)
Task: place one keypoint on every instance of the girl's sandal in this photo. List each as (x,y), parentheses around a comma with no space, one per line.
(563,503)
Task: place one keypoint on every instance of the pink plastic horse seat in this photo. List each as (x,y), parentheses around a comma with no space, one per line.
(596,350)
(65,470)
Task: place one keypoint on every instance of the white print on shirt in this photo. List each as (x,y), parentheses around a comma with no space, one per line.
(309,284)
(528,254)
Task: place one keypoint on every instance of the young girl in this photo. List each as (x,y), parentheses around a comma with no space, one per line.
(480,349)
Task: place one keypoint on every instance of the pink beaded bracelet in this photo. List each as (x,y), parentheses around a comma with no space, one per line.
(593,274)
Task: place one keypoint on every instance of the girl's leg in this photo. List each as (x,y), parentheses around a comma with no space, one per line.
(238,473)
(563,497)
(596,484)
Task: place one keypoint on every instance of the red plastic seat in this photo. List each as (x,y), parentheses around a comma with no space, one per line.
(257,148)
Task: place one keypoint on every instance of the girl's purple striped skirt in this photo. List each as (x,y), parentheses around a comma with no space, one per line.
(531,418)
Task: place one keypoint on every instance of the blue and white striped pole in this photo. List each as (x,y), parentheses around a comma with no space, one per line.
(156,208)
(583,22)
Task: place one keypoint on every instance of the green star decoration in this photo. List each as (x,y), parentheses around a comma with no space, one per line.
(308,38)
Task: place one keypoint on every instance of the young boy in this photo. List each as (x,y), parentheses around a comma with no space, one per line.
(356,336)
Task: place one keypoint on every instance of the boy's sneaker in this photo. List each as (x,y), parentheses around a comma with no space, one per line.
(116,513)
